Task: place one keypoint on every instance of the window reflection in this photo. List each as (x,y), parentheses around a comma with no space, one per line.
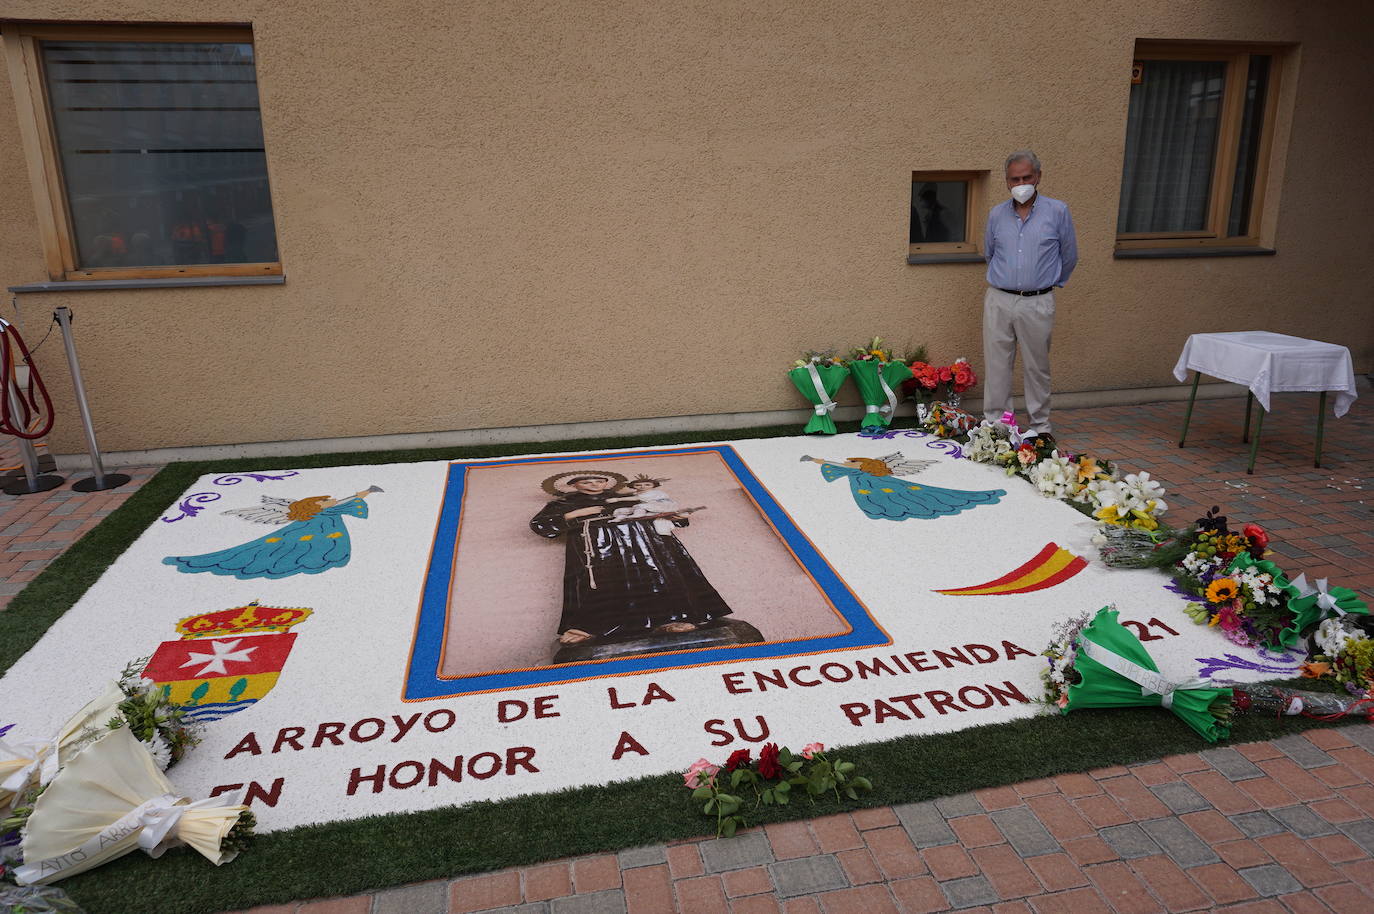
(162,152)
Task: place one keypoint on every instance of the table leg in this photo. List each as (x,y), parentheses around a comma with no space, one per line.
(1188,413)
(1249,398)
(1321,417)
(1254,445)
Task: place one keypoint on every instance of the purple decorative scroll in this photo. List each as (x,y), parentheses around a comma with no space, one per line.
(943,445)
(193,505)
(6,728)
(892,433)
(1281,663)
(234,479)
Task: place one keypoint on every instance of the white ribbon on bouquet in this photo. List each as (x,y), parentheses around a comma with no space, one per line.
(1150,682)
(110,800)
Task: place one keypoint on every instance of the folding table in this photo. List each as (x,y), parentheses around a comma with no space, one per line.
(1267,363)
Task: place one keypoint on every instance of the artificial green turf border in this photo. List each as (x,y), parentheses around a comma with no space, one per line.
(342,858)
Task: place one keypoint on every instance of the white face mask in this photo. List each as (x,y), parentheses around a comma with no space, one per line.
(1023,192)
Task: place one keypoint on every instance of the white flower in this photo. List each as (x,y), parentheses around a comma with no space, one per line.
(1333,637)
(1197,564)
(1141,493)
(1055,476)
(161,752)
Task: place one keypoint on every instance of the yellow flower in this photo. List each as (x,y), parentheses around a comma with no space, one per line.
(1142,521)
(1222,590)
(1107,513)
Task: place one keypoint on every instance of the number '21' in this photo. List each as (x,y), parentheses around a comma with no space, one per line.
(1143,633)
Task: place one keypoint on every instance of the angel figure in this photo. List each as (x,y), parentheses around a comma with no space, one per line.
(882,496)
(313,540)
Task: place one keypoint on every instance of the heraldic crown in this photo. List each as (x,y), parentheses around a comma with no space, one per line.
(242,620)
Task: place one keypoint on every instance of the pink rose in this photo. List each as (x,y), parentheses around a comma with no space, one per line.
(701,774)
(810,749)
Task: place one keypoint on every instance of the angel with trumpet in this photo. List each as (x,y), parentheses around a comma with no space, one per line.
(312,539)
(881,493)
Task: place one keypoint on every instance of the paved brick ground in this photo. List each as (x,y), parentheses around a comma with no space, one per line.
(1282,826)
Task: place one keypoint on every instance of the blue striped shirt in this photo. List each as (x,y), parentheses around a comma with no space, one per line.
(1036,254)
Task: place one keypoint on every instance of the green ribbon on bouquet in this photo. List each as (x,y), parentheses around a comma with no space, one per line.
(819,384)
(1118,672)
(1315,603)
(878,383)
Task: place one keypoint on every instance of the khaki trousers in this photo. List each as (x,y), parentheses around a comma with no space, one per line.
(1008,320)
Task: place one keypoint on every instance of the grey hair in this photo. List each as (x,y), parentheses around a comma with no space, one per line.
(1022,155)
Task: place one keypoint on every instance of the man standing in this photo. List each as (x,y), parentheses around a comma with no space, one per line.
(1031,250)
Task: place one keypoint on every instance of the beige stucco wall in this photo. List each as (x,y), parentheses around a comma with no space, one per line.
(496,214)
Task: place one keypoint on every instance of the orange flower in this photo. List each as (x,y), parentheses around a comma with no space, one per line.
(1315,670)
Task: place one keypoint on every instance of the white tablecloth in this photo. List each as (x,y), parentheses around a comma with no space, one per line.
(1268,362)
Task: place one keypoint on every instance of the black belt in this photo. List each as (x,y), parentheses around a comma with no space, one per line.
(1025,294)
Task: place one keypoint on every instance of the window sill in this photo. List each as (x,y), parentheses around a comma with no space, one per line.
(91,285)
(951,257)
(1198,251)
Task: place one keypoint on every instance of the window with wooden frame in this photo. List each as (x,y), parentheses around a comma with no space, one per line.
(1198,134)
(145,150)
(943,209)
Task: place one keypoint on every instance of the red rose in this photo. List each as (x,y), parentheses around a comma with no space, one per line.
(1241,700)
(946,374)
(1259,540)
(768,761)
(738,759)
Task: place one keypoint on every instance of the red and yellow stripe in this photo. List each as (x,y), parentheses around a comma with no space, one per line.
(1051,566)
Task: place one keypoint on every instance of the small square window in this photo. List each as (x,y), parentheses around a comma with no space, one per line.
(944,207)
(153,161)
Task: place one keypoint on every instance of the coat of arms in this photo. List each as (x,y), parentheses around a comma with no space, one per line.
(225,660)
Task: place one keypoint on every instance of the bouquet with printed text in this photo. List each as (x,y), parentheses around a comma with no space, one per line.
(96,790)
(1099,663)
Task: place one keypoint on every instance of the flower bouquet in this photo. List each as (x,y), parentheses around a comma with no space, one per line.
(946,420)
(112,799)
(877,372)
(819,376)
(771,778)
(1285,702)
(1101,664)
(1248,600)
(961,380)
(27,764)
(1315,603)
(922,385)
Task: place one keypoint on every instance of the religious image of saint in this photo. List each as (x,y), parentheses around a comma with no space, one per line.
(312,539)
(623,575)
(880,493)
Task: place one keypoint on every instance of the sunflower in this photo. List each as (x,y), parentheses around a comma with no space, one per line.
(1222,590)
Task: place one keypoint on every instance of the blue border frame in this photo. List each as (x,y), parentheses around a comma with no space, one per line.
(423,682)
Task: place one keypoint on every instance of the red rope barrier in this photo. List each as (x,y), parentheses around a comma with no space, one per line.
(33,420)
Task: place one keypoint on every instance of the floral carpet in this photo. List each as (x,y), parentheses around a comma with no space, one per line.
(376,639)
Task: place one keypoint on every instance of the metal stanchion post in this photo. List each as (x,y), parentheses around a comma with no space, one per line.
(101,480)
(30,483)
